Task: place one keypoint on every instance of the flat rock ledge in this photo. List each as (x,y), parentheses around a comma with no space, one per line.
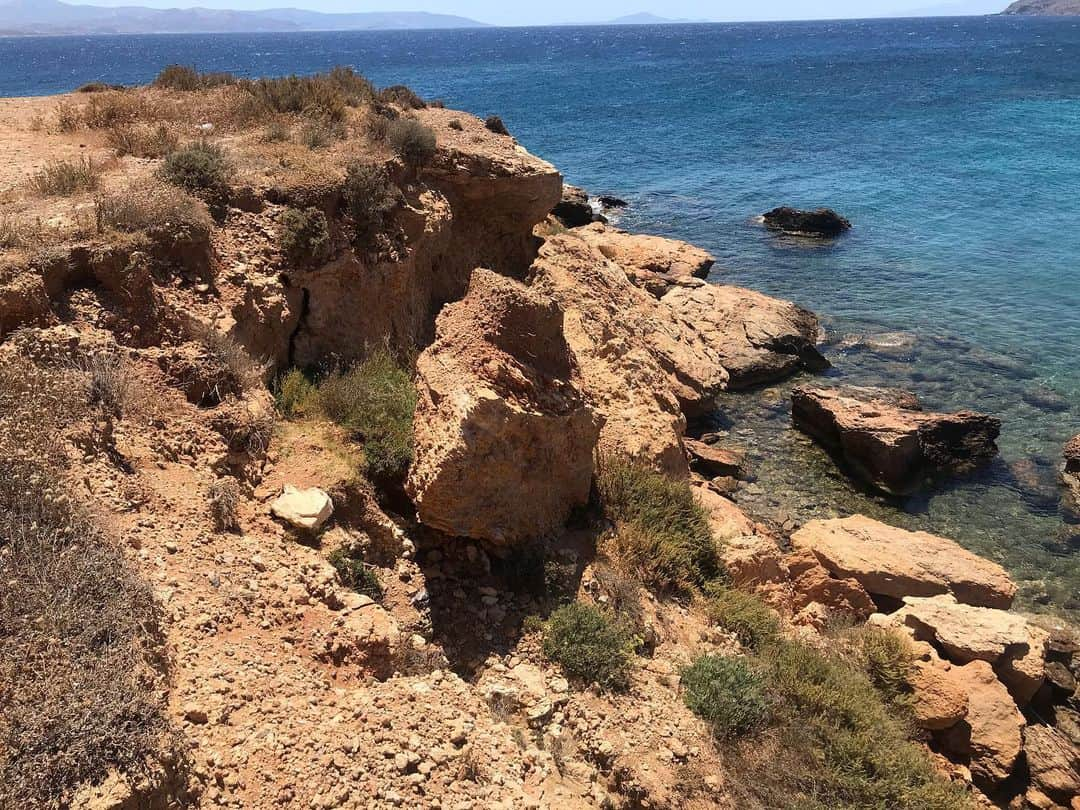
(503,439)
(893,562)
(885,440)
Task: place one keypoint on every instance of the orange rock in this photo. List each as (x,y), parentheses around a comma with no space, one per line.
(889,561)
(811,583)
(963,632)
(503,440)
(940,702)
(991,734)
(1053,761)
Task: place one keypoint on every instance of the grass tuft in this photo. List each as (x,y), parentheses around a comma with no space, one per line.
(411,141)
(661,533)
(62,178)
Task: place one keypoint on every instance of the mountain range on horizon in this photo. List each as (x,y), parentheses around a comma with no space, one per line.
(52,17)
(56,17)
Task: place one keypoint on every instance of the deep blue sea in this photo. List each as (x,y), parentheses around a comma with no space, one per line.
(952,144)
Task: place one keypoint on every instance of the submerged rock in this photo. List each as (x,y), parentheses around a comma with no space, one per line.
(503,439)
(884,440)
(893,562)
(608,201)
(824,223)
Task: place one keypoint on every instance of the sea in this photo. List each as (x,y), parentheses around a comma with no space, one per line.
(952,144)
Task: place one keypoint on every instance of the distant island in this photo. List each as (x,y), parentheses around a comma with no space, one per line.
(1048,8)
(645,18)
(54,17)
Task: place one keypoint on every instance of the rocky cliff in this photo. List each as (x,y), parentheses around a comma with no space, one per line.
(377,480)
(1048,8)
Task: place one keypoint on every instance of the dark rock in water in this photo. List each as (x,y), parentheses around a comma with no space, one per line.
(824,223)
(1046,399)
(882,439)
(573,210)
(607,201)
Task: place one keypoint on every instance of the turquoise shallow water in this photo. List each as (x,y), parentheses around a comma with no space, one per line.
(952,144)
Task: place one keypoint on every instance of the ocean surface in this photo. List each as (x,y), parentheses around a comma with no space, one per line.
(952,144)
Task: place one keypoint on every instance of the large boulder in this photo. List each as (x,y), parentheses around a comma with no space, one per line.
(653,262)
(759,339)
(814,586)
(1022,670)
(887,441)
(1071,478)
(965,633)
(503,439)
(893,562)
(823,223)
(639,368)
(990,736)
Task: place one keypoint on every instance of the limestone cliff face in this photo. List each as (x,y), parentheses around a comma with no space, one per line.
(475,205)
(1046,8)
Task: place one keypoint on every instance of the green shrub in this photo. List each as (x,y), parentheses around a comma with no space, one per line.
(843,746)
(370,198)
(62,178)
(411,141)
(589,646)
(495,124)
(375,400)
(742,614)
(356,574)
(727,693)
(403,96)
(295,394)
(305,236)
(661,533)
(887,657)
(200,166)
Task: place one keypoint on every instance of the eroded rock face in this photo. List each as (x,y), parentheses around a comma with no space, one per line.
(823,223)
(638,368)
(1071,479)
(503,439)
(893,562)
(887,443)
(649,261)
(759,339)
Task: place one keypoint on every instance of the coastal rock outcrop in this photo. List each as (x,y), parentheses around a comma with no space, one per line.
(1053,761)
(758,339)
(652,262)
(503,439)
(1070,476)
(573,210)
(886,441)
(823,223)
(892,562)
(639,368)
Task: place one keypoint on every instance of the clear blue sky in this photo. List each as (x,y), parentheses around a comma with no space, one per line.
(501,12)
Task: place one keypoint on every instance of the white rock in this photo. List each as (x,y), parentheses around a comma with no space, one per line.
(306,509)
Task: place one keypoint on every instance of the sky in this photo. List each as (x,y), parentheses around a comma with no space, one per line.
(500,12)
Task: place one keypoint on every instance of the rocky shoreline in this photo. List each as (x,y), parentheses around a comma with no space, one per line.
(353,639)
